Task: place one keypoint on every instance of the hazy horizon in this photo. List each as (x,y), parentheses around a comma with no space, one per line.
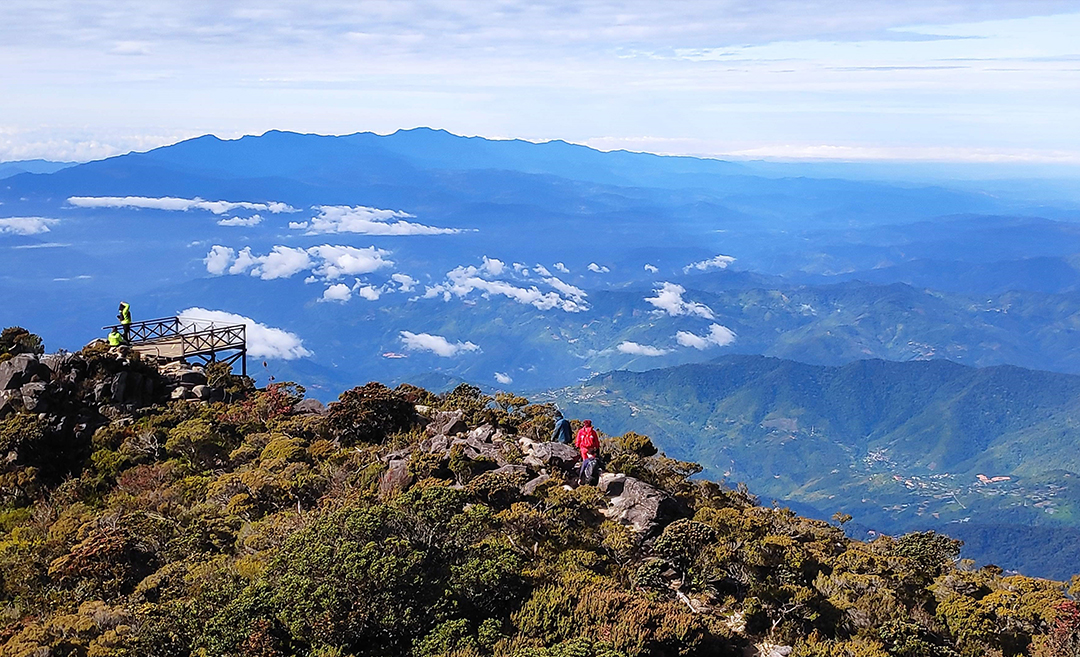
(993,82)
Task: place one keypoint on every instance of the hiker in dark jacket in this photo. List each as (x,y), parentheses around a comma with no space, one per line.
(563,433)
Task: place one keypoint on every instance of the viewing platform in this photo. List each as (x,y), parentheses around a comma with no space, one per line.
(172,339)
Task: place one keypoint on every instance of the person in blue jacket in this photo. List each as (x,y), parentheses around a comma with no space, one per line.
(563,433)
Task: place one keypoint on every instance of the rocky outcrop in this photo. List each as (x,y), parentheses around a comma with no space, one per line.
(485,443)
(190,383)
(132,388)
(22,369)
(447,423)
(8,403)
(766,649)
(534,484)
(550,457)
(396,478)
(637,504)
(309,407)
(513,470)
(34,397)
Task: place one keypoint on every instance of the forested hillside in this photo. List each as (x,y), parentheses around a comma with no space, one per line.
(977,451)
(185,512)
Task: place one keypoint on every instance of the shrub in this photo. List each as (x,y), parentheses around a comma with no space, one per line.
(16,340)
(198,441)
(636,444)
(928,552)
(369,414)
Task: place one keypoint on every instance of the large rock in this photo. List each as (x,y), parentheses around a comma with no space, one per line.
(8,403)
(309,407)
(22,369)
(55,362)
(33,397)
(512,469)
(447,423)
(395,479)
(550,456)
(127,387)
(483,433)
(475,449)
(637,504)
(188,378)
(201,392)
(436,444)
(530,486)
(766,649)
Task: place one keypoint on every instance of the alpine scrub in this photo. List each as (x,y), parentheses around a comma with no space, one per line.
(399,522)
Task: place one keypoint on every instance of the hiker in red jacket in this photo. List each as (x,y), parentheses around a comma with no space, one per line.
(587,441)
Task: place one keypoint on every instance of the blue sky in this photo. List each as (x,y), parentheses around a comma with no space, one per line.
(990,81)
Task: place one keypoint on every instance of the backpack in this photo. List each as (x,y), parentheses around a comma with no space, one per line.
(590,472)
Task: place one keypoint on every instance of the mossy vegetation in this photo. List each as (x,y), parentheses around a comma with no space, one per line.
(248,527)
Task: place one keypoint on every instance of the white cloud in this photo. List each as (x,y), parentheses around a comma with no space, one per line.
(493,266)
(669,299)
(244,261)
(262,341)
(348,260)
(42,245)
(718,336)
(542,270)
(503,379)
(341,292)
(719,262)
(253,220)
(282,262)
(338,292)
(561,268)
(218,259)
(575,293)
(26,225)
(326,261)
(365,221)
(406,283)
(652,269)
(367,292)
(176,204)
(436,344)
(636,349)
(464,280)
(599,269)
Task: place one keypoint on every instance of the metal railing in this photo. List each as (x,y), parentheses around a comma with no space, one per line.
(214,339)
(175,338)
(149,330)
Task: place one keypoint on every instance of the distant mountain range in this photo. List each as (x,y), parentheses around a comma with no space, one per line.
(15,167)
(350,241)
(899,446)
